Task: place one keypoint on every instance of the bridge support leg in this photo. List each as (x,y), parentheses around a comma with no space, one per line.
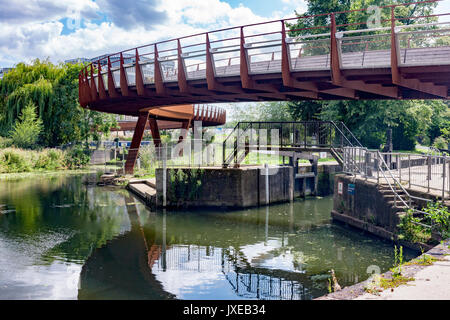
(136,143)
(155,132)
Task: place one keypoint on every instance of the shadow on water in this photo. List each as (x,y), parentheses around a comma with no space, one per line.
(98,243)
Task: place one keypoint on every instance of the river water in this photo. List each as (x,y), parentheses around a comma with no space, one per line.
(63,239)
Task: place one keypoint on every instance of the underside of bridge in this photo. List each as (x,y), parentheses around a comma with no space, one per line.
(268,62)
(164,118)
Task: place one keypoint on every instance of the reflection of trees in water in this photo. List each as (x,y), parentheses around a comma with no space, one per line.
(120,269)
(57,208)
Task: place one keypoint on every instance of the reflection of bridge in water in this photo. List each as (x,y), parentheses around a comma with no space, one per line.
(140,257)
(246,281)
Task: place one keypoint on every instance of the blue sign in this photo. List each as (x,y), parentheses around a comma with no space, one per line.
(351,189)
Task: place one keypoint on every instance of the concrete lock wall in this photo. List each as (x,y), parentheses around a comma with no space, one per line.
(319,185)
(363,206)
(234,187)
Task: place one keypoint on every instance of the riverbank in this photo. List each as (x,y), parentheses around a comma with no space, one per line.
(27,175)
(429,280)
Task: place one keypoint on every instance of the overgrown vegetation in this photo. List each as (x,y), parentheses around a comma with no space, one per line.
(411,230)
(148,163)
(15,160)
(423,260)
(185,184)
(414,229)
(379,283)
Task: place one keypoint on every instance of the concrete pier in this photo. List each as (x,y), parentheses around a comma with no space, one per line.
(224,188)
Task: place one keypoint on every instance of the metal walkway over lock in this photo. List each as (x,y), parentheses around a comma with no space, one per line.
(280,137)
(266,62)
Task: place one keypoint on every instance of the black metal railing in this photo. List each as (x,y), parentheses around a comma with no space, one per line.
(299,135)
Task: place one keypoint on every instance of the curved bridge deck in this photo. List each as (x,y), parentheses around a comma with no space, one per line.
(268,62)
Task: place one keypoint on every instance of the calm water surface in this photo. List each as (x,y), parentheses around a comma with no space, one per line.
(62,239)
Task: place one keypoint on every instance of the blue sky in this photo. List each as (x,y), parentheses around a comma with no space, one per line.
(66,29)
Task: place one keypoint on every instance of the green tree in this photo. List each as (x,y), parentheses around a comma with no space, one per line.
(305,110)
(27,128)
(54,91)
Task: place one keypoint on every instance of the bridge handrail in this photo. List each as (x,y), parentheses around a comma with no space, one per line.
(351,134)
(106,57)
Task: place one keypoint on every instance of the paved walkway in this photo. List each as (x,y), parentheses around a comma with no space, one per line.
(431,283)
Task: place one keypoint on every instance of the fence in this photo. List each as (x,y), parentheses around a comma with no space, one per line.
(191,154)
(430,173)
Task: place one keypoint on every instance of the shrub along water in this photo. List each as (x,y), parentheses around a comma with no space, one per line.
(15,160)
(412,228)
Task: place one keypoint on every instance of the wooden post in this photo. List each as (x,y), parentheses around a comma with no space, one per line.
(112,92)
(139,78)
(123,78)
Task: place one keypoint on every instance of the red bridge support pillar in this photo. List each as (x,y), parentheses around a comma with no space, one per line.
(155,132)
(133,153)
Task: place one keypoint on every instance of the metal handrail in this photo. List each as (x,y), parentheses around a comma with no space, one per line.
(344,141)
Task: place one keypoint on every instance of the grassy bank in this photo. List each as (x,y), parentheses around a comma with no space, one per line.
(16,161)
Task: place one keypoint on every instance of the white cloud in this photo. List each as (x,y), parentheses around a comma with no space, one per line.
(36,31)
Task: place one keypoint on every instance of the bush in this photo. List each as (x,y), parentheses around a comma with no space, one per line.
(147,156)
(14,161)
(51,159)
(26,131)
(5,142)
(411,229)
(439,217)
(440,143)
(76,157)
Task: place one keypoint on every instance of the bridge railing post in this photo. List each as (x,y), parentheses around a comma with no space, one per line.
(377,165)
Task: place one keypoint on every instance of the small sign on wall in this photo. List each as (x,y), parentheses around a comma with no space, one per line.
(340,188)
(351,189)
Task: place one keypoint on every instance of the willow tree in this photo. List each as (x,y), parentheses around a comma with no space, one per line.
(53,89)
